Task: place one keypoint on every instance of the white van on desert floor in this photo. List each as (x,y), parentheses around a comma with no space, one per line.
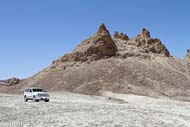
(36,94)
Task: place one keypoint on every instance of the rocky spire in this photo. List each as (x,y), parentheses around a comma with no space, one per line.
(100,45)
(125,37)
(121,36)
(187,57)
(145,33)
(103,29)
(116,35)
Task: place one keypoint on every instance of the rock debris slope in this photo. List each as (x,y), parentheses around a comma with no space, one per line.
(141,65)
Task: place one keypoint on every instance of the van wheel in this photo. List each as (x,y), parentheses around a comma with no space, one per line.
(34,99)
(46,100)
(25,99)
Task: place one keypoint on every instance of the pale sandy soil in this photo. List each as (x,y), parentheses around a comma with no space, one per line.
(74,110)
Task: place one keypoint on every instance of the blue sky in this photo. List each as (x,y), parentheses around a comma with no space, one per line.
(33,33)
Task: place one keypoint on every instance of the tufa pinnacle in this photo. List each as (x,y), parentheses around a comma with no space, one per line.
(101,45)
(145,33)
(103,29)
(187,57)
(120,36)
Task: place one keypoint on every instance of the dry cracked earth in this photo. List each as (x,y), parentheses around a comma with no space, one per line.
(111,110)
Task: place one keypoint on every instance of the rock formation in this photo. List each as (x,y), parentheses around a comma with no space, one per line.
(187,57)
(101,45)
(120,36)
(149,44)
(145,33)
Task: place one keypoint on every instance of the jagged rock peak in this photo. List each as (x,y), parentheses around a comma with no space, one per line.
(120,36)
(100,45)
(103,29)
(145,33)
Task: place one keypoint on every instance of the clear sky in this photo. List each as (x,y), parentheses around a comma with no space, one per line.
(33,33)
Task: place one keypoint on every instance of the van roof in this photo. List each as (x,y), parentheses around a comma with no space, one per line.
(34,88)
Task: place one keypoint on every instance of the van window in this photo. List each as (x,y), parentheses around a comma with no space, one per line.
(37,90)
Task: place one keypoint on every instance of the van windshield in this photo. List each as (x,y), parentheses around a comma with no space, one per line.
(37,90)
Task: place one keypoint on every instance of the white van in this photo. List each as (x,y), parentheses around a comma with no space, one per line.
(36,94)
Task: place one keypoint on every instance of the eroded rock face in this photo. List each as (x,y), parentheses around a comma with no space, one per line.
(98,46)
(149,44)
(101,45)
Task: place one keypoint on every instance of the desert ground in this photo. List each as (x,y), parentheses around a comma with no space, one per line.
(110,110)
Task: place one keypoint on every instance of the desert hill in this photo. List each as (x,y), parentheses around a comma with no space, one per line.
(141,65)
